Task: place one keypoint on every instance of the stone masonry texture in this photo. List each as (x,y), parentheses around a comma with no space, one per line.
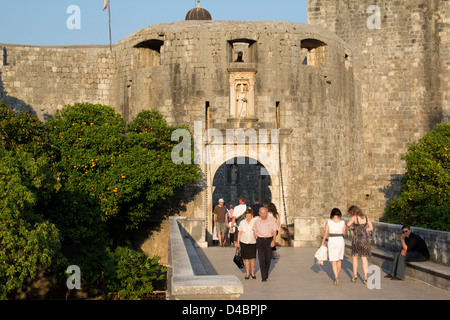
(347,99)
(403,70)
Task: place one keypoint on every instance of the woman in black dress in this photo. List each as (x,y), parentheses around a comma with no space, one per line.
(247,242)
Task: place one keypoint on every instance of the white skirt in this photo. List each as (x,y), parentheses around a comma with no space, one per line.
(336,248)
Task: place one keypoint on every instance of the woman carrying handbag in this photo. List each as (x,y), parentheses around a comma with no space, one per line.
(247,243)
(335,230)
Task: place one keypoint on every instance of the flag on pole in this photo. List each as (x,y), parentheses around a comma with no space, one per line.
(107,5)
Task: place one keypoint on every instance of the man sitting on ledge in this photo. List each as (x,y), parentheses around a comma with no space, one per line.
(414,248)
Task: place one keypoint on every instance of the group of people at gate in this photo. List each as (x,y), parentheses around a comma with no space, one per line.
(252,229)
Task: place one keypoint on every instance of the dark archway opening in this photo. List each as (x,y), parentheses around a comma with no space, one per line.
(241,176)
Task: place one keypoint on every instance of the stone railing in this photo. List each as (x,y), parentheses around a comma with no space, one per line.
(388,236)
(193,228)
(309,231)
(189,280)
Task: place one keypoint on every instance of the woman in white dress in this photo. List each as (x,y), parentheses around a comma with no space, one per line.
(335,230)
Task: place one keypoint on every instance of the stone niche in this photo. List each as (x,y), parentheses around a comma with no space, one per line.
(242,94)
(242,51)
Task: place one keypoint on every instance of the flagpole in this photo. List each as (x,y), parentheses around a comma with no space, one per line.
(109,17)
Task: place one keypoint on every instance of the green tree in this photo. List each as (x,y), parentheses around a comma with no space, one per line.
(77,184)
(86,139)
(22,131)
(27,241)
(113,177)
(150,167)
(122,172)
(424,199)
(132,274)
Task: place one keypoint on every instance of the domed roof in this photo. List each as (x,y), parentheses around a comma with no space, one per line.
(198,13)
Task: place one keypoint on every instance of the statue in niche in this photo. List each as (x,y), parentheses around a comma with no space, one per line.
(240,57)
(234,174)
(242,99)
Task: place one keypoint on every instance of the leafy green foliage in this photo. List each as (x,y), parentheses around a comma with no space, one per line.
(153,177)
(425,196)
(74,186)
(121,172)
(134,274)
(27,241)
(22,131)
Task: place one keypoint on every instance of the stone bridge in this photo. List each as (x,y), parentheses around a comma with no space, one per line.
(200,272)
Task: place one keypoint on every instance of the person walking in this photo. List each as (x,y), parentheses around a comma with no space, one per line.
(231,227)
(255,207)
(414,248)
(265,230)
(361,225)
(335,230)
(220,221)
(273,212)
(247,242)
(238,215)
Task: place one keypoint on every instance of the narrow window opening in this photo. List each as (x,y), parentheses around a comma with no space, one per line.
(207,115)
(149,53)
(348,62)
(315,52)
(277,114)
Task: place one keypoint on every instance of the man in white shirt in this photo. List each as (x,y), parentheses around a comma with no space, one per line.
(239,211)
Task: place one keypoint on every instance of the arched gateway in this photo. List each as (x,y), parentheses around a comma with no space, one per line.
(241,162)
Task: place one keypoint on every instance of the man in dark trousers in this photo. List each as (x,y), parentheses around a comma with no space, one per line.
(414,248)
(265,230)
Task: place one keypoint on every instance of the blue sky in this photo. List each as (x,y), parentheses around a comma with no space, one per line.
(44,22)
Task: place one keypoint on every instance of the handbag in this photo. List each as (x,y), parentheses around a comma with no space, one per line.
(239,219)
(215,234)
(321,255)
(238,259)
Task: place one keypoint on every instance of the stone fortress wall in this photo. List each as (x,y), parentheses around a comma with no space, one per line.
(192,64)
(43,79)
(179,68)
(346,98)
(403,68)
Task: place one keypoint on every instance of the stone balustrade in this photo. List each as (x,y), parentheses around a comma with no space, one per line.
(385,239)
(189,280)
(388,235)
(309,232)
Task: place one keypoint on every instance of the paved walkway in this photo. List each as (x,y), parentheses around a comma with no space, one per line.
(295,276)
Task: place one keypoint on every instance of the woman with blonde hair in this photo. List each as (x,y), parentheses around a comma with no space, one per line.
(361,225)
